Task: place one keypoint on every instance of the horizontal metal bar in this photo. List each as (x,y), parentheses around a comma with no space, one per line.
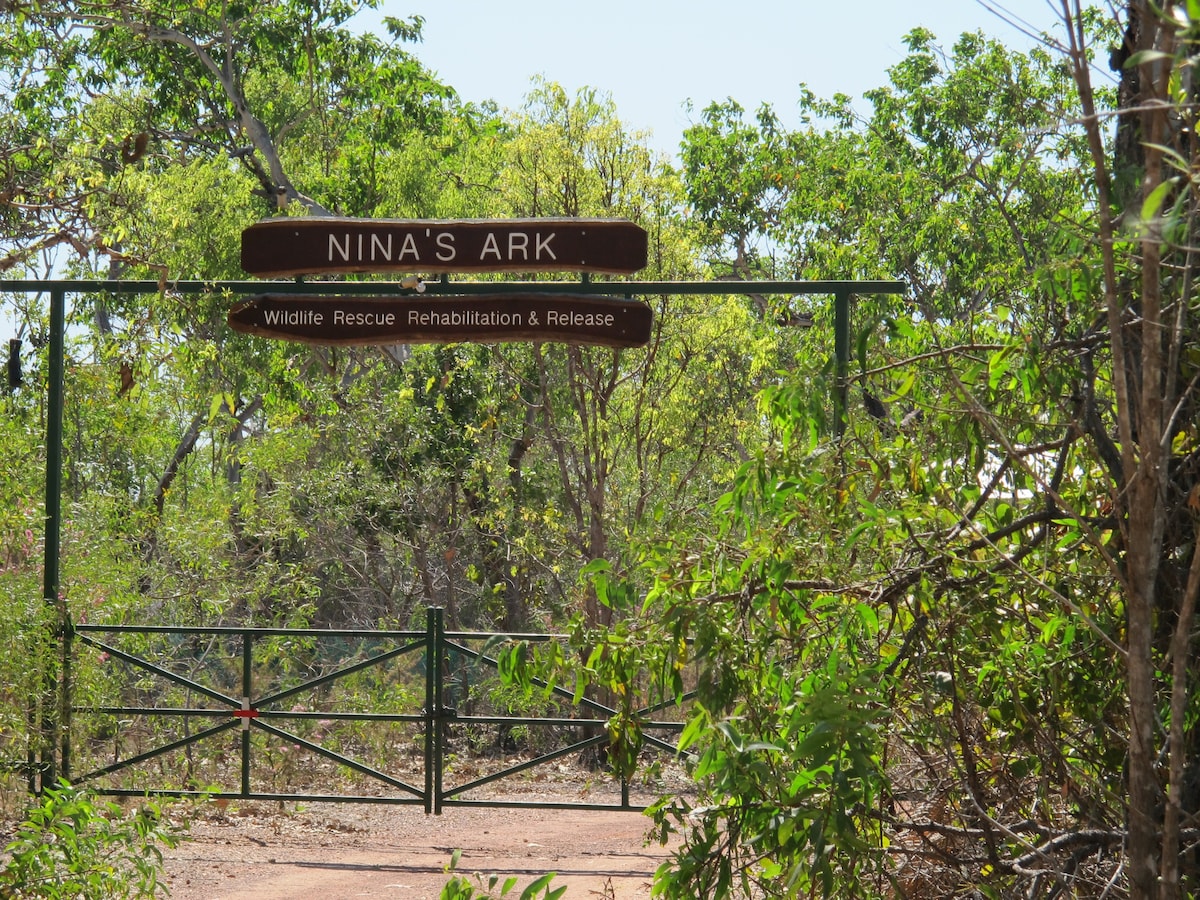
(256,795)
(442,287)
(519,804)
(281,715)
(180,712)
(502,637)
(342,716)
(233,631)
(560,723)
(155,711)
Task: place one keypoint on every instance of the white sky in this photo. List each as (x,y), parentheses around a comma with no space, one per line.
(654,55)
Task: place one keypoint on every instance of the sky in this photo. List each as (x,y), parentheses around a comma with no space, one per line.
(653,56)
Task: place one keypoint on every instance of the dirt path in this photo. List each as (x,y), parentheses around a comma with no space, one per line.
(336,851)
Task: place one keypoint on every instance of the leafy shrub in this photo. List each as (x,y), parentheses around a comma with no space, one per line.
(73,846)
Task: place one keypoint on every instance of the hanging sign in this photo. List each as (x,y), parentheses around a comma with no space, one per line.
(288,247)
(483,318)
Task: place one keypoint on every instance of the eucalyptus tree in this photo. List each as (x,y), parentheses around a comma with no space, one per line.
(187,81)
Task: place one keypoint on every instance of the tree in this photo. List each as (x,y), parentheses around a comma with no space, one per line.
(1145,222)
(957,630)
(200,80)
(738,178)
(637,435)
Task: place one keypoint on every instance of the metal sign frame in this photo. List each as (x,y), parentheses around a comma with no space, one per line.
(46,768)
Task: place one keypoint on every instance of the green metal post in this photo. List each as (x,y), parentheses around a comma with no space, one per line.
(431,652)
(841,355)
(54,430)
(247,695)
(53,531)
(438,725)
(64,712)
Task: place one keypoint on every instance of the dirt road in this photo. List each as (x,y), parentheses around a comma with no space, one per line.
(336,851)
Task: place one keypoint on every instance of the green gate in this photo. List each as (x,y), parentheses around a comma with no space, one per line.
(267,714)
(243,704)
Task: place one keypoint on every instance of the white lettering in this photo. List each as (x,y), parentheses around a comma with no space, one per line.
(292,317)
(577,320)
(490,246)
(377,244)
(445,242)
(544,245)
(410,246)
(518,241)
(343,249)
(464,318)
(363,319)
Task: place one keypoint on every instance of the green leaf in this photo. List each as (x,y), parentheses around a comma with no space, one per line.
(538,884)
(765,746)
(905,386)
(691,731)
(1154,200)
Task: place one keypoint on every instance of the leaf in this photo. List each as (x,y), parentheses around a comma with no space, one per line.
(690,732)
(905,386)
(214,408)
(1154,200)
(869,617)
(763,746)
(1146,56)
(538,884)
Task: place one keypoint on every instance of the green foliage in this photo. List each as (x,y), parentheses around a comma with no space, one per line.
(459,887)
(738,177)
(787,816)
(72,846)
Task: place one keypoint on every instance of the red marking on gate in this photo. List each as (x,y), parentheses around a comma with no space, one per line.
(246,713)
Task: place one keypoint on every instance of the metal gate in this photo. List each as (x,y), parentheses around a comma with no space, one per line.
(268,714)
(243,704)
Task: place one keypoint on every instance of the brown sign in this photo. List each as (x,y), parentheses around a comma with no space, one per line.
(486,318)
(304,246)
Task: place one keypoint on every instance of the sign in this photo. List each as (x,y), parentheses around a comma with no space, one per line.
(486,318)
(304,246)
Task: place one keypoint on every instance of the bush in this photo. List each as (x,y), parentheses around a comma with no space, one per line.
(73,846)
